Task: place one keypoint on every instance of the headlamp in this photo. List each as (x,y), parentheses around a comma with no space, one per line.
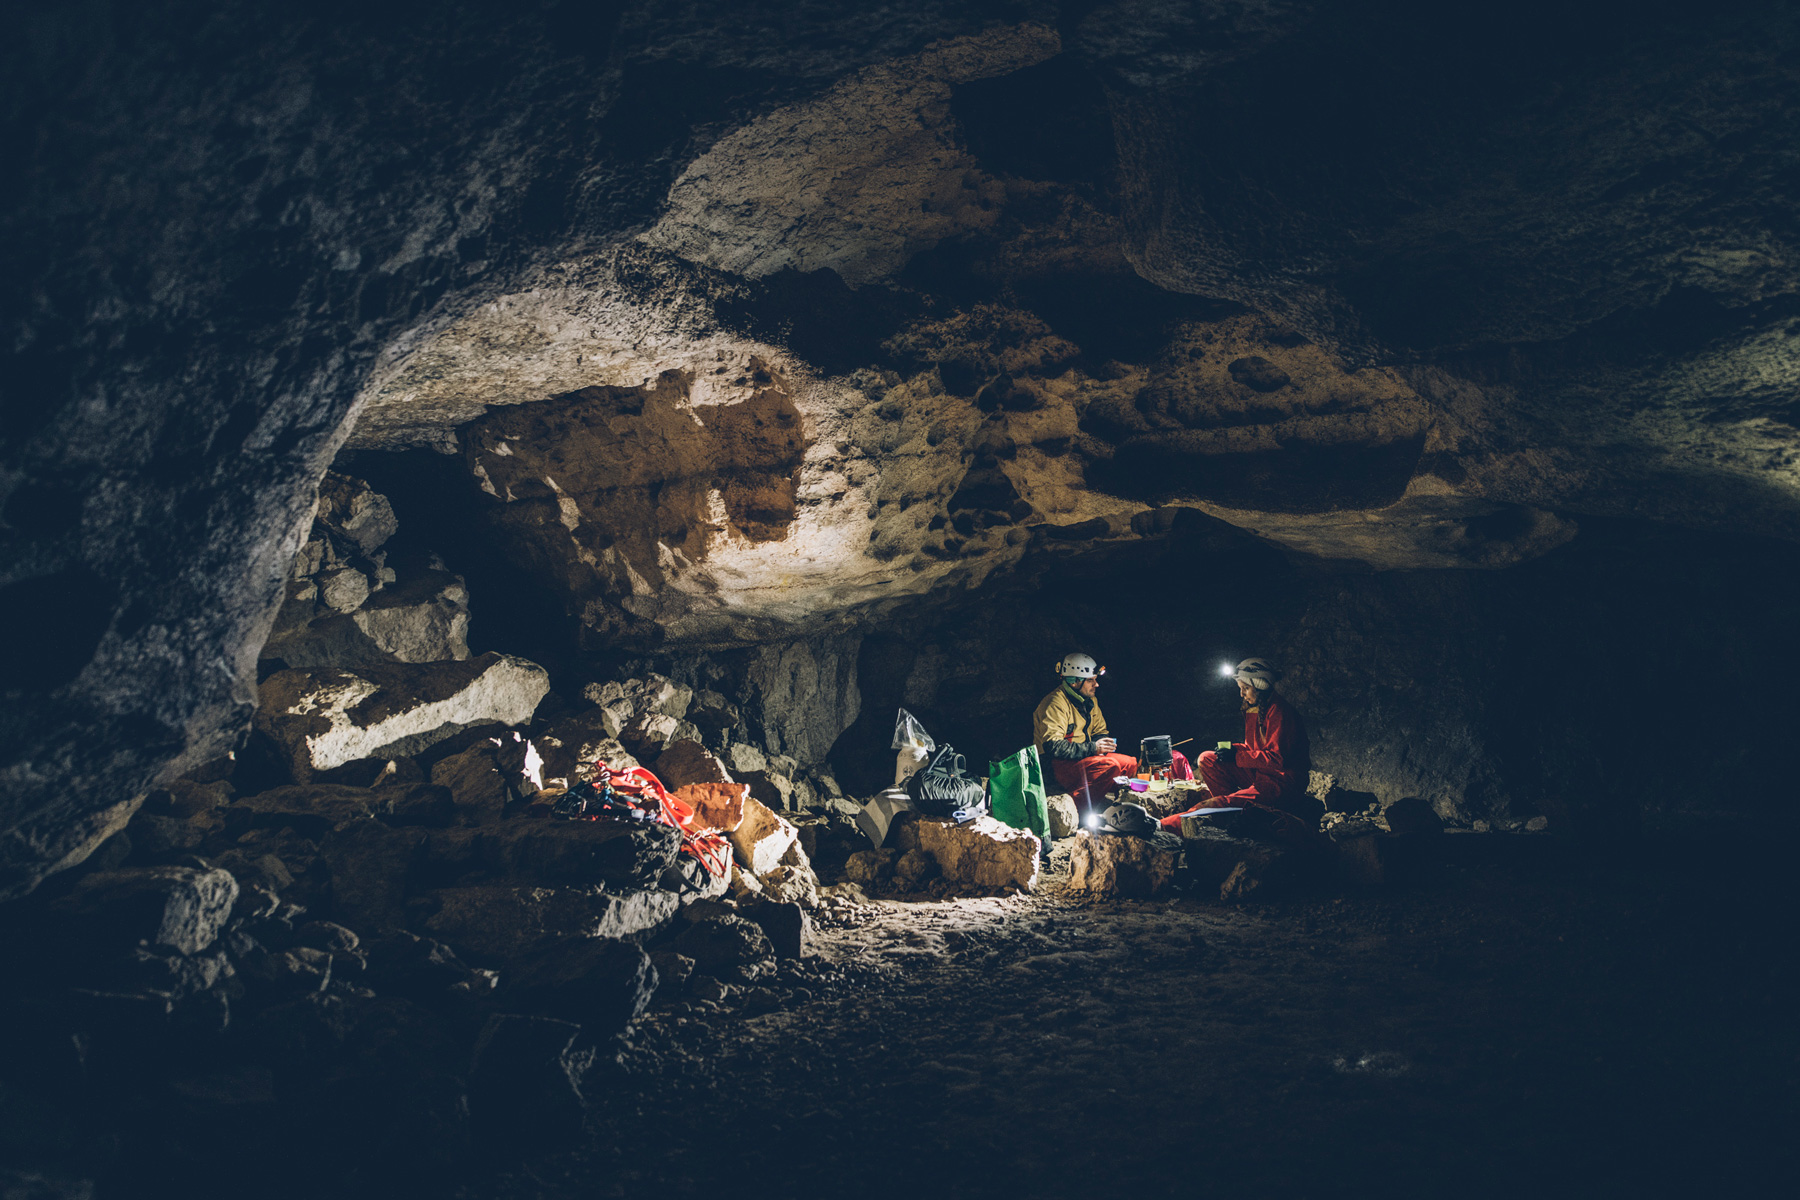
(1226,670)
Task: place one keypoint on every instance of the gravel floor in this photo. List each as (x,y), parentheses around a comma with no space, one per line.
(1563,1030)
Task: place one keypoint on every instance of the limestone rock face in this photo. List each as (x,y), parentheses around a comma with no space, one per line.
(1129,867)
(982,853)
(323,719)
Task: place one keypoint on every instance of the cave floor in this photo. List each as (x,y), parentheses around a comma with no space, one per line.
(1570,1030)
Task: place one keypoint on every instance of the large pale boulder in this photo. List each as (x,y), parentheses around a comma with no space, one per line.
(507,924)
(319,719)
(762,838)
(982,853)
(1104,864)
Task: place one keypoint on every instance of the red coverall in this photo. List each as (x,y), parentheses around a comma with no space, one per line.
(1090,780)
(1272,764)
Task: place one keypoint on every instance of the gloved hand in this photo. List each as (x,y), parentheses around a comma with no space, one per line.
(1227,754)
(1105,745)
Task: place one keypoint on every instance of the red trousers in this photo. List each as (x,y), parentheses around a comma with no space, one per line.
(1232,785)
(1090,780)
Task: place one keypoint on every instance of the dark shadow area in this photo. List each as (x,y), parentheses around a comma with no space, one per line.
(441,511)
(1628,682)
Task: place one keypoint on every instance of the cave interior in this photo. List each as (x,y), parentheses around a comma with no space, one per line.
(411,410)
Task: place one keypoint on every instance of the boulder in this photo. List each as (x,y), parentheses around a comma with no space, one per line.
(1105,864)
(315,809)
(788,927)
(421,619)
(649,735)
(372,869)
(913,869)
(600,983)
(719,943)
(792,881)
(1065,817)
(154,838)
(689,879)
(716,805)
(773,790)
(505,925)
(1241,868)
(485,781)
(405,964)
(744,886)
(570,747)
(870,868)
(657,694)
(687,763)
(322,718)
(549,851)
(182,908)
(761,838)
(742,757)
(353,511)
(982,853)
(714,716)
(525,1079)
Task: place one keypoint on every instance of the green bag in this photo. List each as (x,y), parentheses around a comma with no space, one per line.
(1016,793)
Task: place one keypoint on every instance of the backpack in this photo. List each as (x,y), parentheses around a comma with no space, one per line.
(941,789)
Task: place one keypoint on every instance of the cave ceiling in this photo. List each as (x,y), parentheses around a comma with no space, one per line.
(1047,276)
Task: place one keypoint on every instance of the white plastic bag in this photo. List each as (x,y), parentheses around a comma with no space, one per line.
(913,746)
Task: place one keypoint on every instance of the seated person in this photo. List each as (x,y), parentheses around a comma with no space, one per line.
(1269,770)
(1070,734)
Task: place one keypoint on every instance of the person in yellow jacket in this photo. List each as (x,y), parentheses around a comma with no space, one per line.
(1070,733)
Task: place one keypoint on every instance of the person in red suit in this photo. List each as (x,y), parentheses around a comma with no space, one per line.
(1269,770)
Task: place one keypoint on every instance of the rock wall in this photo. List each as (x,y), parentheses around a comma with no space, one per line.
(1377,289)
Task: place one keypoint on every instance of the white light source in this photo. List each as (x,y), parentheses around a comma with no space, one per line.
(1093,820)
(1225,668)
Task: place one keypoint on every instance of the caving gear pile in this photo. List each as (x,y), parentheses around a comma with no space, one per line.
(637,795)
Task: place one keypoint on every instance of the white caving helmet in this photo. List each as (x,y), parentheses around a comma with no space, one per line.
(1257,673)
(1079,666)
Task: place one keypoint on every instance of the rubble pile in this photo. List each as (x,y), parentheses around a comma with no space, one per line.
(346,605)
